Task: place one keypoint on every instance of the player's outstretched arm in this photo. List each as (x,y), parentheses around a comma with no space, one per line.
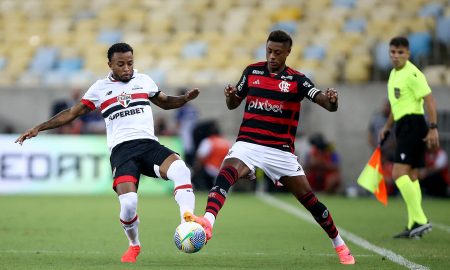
(231,99)
(328,99)
(58,120)
(172,102)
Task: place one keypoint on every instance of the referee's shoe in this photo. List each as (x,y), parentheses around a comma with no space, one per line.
(418,230)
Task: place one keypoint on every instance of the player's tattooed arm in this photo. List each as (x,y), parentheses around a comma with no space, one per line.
(172,102)
(60,119)
(328,99)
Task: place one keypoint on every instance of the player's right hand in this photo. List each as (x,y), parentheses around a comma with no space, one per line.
(27,135)
(229,90)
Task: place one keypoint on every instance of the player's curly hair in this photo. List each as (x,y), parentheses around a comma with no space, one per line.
(399,42)
(119,47)
(280,36)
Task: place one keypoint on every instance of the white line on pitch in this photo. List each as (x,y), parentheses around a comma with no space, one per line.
(441,226)
(390,255)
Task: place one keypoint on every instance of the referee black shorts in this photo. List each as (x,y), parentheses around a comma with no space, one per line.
(410,131)
(136,157)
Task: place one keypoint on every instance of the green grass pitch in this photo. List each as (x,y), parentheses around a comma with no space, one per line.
(83,232)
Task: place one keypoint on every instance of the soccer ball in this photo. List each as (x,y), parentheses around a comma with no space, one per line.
(189,237)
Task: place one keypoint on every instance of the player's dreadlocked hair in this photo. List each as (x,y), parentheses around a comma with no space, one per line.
(399,41)
(119,47)
(280,36)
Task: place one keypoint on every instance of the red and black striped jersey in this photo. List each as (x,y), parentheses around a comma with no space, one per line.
(272,107)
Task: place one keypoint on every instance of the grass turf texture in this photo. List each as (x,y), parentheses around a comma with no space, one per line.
(83,232)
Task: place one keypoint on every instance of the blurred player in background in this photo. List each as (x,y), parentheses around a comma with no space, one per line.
(124,100)
(273,93)
(408,90)
(209,156)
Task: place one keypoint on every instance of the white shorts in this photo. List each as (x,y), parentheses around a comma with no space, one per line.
(275,163)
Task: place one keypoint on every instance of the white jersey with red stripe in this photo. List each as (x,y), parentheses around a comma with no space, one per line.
(125,107)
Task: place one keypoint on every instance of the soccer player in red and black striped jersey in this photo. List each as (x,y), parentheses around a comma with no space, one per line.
(272,93)
(124,97)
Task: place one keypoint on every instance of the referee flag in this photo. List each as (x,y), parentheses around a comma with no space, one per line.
(372,179)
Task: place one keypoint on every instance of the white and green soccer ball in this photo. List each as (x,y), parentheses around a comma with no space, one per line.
(189,237)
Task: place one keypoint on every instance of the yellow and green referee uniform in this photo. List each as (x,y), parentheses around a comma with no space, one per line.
(406,89)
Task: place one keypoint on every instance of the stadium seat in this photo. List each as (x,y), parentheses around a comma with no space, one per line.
(288,26)
(157,74)
(69,64)
(344,3)
(163,36)
(315,52)
(442,30)
(434,10)
(44,59)
(382,60)
(109,36)
(56,78)
(355,25)
(194,49)
(420,46)
(356,70)
(291,13)
(3,62)
(260,52)
(435,74)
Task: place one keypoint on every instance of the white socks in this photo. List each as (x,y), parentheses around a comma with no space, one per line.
(180,174)
(337,241)
(129,218)
(210,217)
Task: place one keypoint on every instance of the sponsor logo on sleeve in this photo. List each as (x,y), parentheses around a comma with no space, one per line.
(241,84)
(307,84)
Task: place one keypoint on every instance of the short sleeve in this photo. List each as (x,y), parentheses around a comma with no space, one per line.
(306,88)
(91,98)
(151,86)
(242,85)
(419,85)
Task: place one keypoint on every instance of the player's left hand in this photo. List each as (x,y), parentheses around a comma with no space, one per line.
(27,135)
(432,139)
(191,94)
(332,95)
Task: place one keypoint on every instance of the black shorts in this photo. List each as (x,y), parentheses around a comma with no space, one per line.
(410,131)
(136,157)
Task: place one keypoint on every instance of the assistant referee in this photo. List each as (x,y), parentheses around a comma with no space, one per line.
(408,90)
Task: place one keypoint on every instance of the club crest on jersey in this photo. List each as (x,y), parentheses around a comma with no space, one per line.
(284,86)
(124,99)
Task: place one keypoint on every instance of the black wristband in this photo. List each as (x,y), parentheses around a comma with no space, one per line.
(433,125)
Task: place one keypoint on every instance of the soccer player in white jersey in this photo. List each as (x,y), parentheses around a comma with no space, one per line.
(124,101)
